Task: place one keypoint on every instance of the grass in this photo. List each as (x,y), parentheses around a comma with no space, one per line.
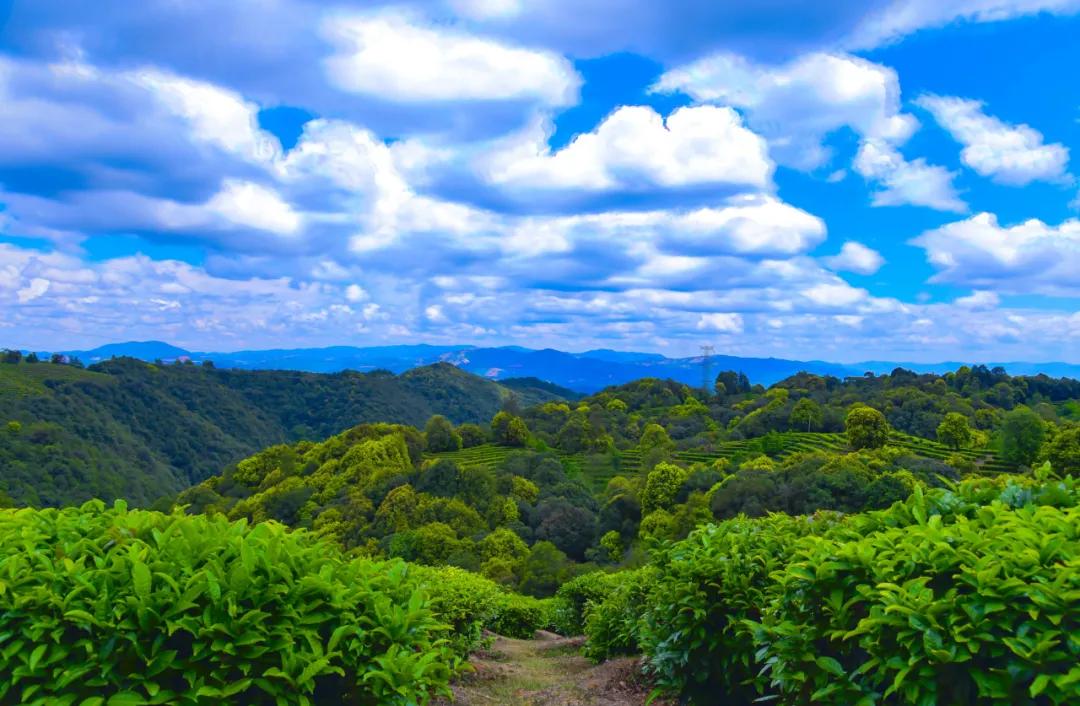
(628,461)
(28,379)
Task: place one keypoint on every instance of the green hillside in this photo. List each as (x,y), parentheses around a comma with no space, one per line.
(596,469)
(129,429)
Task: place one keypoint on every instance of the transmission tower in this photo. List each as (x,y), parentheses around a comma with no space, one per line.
(706,365)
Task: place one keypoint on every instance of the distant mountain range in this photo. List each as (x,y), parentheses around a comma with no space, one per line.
(583,372)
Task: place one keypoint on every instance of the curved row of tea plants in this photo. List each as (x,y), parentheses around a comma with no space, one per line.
(110,606)
(966,595)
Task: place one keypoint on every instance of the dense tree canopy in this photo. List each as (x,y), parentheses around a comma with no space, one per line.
(866,428)
(128,429)
(954,430)
(1022,434)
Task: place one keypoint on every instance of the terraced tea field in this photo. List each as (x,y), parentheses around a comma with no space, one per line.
(598,470)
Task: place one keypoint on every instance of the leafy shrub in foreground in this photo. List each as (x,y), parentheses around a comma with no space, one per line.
(470,604)
(465,601)
(985,609)
(575,598)
(613,624)
(695,631)
(521,616)
(131,607)
(964,595)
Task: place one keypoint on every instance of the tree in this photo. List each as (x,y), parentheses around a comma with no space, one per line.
(32,358)
(574,436)
(503,543)
(431,544)
(612,545)
(730,382)
(1022,434)
(654,437)
(1063,451)
(439,435)
(954,431)
(661,487)
(543,570)
(806,411)
(866,428)
(442,478)
(569,527)
(471,435)
(11,356)
(509,430)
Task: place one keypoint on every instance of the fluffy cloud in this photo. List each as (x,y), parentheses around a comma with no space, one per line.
(903,182)
(37,287)
(979,300)
(856,257)
(834,295)
(795,105)
(355,293)
(798,104)
(255,206)
(1029,258)
(902,17)
(215,116)
(752,226)
(721,322)
(635,147)
(1010,154)
(395,57)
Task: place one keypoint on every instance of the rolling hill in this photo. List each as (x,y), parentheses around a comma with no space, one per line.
(126,428)
(585,372)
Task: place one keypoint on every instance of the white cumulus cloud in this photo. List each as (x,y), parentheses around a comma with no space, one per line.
(1028,258)
(395,57)
(636,147)
(356,293)
(796,105)
(1009,154)
(902,17)
(856,257)
(253,205)
(216,115)
(721,322)
(37,287)
(978,300)
(904,182)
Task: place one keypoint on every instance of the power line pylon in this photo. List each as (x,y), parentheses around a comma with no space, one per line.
(706,365)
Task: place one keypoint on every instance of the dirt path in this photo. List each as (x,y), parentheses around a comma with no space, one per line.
(547,671)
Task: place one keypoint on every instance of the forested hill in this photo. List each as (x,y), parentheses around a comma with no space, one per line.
(130,429)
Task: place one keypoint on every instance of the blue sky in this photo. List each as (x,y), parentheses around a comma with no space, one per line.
(890,179)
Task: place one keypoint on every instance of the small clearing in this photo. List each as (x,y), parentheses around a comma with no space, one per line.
(548,671)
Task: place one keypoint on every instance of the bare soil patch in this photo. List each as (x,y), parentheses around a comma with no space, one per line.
(548,671)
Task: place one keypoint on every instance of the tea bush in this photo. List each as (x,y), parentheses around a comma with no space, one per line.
(983,609)
(465,601)
(695,630)
(575,598)
(470,604)
(118,607)
(968,594)
(613,624)
(521,616)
